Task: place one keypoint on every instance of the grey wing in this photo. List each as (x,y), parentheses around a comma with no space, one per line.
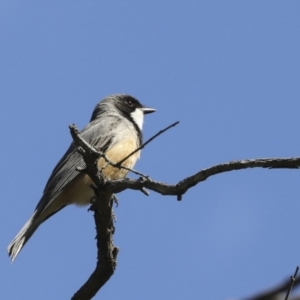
(66,169)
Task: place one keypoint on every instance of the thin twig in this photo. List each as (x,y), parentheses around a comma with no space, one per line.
(147,142)
(293,278)
(116,165)
(131,170)
(277,291)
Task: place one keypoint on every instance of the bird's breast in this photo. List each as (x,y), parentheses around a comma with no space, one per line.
(80,192)
(116,153)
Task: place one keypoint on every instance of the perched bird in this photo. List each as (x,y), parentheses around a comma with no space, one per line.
(115,128)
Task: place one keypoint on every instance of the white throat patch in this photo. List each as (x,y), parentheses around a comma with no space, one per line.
(138,117)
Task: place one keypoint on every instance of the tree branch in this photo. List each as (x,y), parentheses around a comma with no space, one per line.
(104,217)
(107,252)
(292,282)
(277,292)
(104,190)
(185,184)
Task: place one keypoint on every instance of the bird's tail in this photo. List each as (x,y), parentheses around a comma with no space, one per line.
(23,236)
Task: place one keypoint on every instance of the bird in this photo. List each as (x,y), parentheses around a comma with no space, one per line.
(115,128)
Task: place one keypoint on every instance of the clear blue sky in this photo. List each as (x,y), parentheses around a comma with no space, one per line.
(228,70)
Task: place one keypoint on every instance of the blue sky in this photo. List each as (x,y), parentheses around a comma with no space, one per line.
(229,71)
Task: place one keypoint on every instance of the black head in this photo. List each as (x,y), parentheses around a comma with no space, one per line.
(125,105)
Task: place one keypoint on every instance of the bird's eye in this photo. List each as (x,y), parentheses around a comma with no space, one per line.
(129,103)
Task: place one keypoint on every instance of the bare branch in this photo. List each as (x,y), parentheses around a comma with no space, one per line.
(104,218)
(293,278)
(107,252)
(278,291)
(104,190)
(182,186)
(103,213)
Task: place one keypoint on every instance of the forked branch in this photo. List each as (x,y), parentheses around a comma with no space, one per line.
(105,189)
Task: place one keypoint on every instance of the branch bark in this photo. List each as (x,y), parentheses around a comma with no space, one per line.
(185,184)
(105,190)
(107,252)
(104,220)
(277,292)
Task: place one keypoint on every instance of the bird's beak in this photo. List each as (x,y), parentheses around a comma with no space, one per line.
(148,110)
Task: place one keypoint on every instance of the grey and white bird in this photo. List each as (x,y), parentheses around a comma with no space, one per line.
(115,128)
